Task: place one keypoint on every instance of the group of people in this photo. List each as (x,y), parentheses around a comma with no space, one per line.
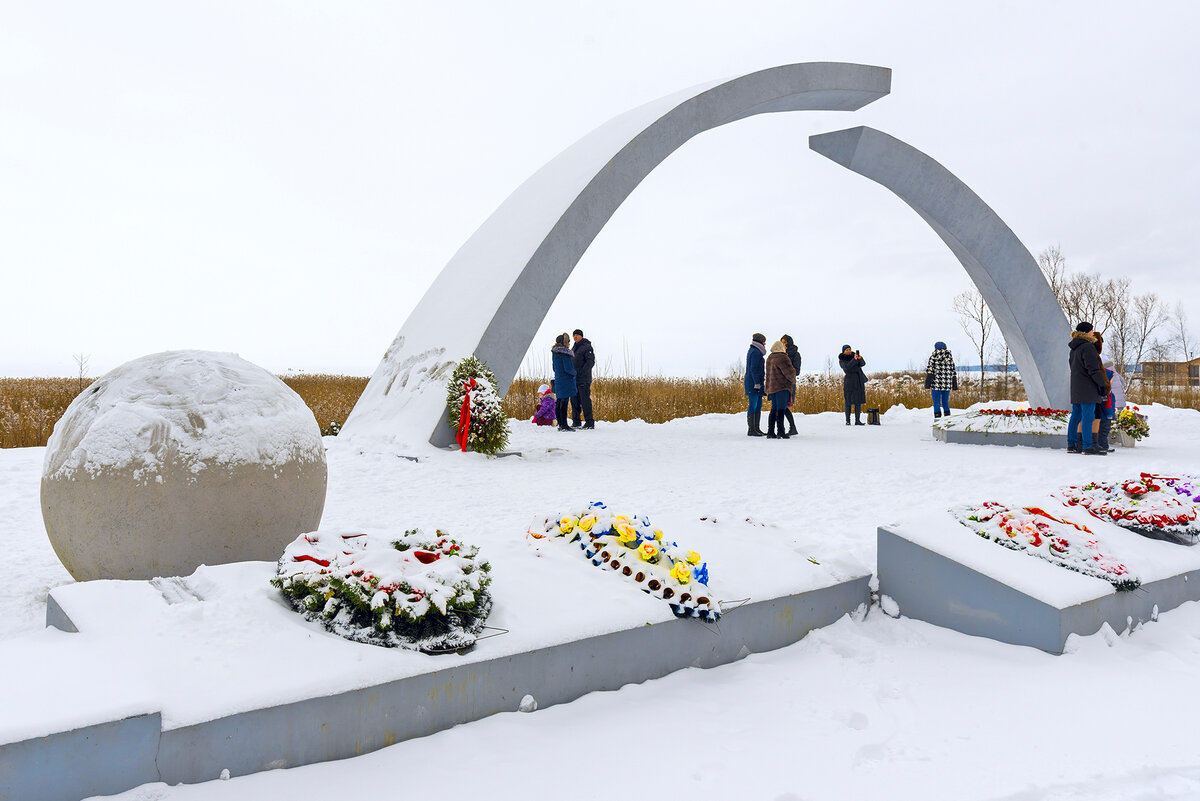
(571,385)
(1097,393)
(1097,389)
(771,376)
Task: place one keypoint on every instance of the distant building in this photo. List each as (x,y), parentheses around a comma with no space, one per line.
(1177,374)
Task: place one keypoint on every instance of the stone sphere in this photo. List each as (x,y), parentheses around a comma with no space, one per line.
(180,459)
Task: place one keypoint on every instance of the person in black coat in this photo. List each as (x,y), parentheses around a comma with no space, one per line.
(793,354)
(585,359)
(756,358)
(564,379)
(1089,386)
(854,383)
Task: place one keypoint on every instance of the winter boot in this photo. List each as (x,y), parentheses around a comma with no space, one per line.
(771,424)
(791,422)
(847,414)
(936,414)
(758,432)
(752,426)
(858,418)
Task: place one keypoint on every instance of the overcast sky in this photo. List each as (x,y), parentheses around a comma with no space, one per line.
(284,180)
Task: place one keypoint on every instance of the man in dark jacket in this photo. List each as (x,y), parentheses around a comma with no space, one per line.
(1088,387)
(585,359)
(756,359)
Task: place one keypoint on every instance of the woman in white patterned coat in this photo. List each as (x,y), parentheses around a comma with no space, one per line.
(941,378)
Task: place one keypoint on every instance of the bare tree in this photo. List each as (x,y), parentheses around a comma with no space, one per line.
(1120,329)
(1054,267)
(81,361)
(1149,316)
(1182,340)
(976,321)
(1000,353)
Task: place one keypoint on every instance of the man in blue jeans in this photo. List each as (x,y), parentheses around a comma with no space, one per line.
(1089,386)
(755,380)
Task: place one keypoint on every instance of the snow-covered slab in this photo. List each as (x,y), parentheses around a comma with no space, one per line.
(247,685)
(939,571)
(1000,438)
(1004,423)
(103,759)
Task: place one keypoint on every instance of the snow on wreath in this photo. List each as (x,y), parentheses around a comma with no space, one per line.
(1036,532)
(631,546)
(417,592)
(1158,507)
(474,408)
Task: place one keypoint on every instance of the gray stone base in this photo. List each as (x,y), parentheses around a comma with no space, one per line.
(932,587)
(1058,441)
(356,722)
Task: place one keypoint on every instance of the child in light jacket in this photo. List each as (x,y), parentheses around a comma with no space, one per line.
(544,414)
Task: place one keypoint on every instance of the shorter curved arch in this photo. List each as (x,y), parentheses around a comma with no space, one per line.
(1008,277)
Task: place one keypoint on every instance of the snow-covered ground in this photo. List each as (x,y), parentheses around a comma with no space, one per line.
(869,707)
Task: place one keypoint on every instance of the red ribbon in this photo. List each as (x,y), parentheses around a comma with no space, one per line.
(464,415)
(1043,513)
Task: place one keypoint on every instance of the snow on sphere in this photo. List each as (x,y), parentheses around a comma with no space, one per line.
(180,459)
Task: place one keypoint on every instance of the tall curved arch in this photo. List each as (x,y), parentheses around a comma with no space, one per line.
(1008,277)
(510,271)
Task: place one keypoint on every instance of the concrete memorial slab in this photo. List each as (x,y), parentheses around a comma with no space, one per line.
(1058,441)
(443,692)
(939,571)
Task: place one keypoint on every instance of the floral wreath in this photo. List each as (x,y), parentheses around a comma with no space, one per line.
(1036,532)
(632,547)
(416,592)
(1141,505)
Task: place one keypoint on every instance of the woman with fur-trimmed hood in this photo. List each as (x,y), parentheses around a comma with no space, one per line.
(1089,386)
(780,384)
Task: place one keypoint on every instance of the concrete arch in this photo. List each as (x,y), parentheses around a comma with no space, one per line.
(1008,277)
(510,271)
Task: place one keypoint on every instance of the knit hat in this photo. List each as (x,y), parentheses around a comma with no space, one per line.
(844,348)
(779,347)
(939,345)
(543,389)
(1084,328)
(759,338)
(577,333)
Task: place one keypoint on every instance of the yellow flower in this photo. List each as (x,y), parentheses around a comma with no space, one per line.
(658,534)
(693,558)
(626,533)
(648,551)
(681,572)
(586,523)
(567,525)
(621,520)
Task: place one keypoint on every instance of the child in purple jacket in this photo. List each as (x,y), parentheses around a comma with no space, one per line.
(544,416)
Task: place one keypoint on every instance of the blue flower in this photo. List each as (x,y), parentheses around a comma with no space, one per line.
(700,573)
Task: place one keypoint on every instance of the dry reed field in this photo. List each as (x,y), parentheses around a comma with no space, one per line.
(29,407)
(331,397)
(657,399)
